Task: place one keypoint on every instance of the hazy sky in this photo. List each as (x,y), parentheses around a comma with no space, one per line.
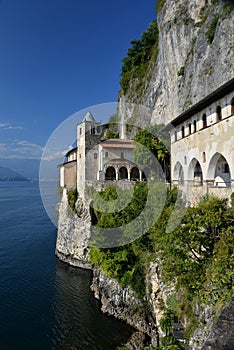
(58,57)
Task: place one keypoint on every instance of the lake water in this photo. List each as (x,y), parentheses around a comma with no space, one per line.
(44,304)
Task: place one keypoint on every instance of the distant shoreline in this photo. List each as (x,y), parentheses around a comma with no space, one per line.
(6,179)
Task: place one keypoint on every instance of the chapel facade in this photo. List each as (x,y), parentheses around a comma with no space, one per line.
(95,161)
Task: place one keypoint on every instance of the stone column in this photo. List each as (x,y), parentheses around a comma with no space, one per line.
(129,173)
(117,173)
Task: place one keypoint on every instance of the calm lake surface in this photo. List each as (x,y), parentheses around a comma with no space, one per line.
(44,304)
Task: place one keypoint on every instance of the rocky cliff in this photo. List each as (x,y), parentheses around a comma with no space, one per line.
(73,233)
(195,56)
(123,304)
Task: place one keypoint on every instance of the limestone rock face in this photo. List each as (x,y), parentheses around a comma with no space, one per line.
(73,233)
(157,293)
(218,336)
(123,304)
(188,66)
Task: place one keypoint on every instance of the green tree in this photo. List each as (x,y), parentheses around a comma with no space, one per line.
(150,147)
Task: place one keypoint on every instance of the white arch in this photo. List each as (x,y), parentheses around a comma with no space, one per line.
(195,172)
(178,173)
(219,170)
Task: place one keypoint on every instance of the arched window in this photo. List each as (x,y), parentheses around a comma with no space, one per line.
(110,173)
(218,113)
(135,174)
(182,132)
(194,126)
(204,121)
(232,106)
(123,173)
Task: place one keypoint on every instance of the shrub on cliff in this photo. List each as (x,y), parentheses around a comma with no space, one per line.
(135,64)
(72,198)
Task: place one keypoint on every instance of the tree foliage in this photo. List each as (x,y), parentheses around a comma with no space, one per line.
(197,256)
(138,56)
(150,147)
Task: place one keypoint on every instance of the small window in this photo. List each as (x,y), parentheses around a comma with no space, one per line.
(93,131)
(95,155)
(80,131)
(190,128)
(106,154)
(204,121)
(204,157)
(182,132)
(80,155)
(194,126)
(218,113)
(122,155)
(175,135)
(185,160)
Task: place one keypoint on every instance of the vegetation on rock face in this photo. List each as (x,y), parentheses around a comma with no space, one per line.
(72,198)
(136,63)
(212,28)
(110,129)
(181,71)
(159,5)
(193,257)
(197,257)
(124,263)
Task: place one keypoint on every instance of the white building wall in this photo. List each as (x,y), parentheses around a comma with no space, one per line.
(62,176)
(217,137)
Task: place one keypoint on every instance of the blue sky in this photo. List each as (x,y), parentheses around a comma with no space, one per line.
(59,57)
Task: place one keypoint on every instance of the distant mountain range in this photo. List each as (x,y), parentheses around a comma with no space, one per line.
(10,175)
(28,168)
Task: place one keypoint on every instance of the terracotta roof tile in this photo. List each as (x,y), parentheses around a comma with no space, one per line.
(118,143)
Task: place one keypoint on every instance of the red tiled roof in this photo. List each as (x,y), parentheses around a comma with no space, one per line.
(118,143)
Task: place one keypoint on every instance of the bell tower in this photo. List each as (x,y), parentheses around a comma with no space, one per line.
(88,137)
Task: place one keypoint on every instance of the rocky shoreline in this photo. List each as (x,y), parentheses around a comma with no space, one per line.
(123,304)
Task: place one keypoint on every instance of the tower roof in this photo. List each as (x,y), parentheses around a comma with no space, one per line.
(88,118)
